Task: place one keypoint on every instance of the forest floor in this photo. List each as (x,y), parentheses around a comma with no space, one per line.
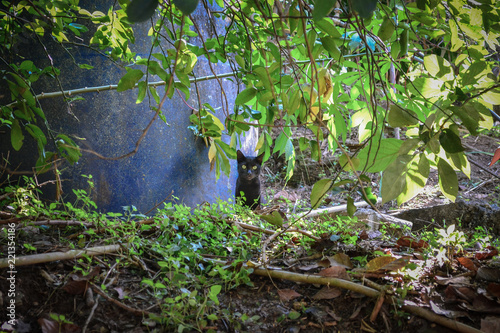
(54,296)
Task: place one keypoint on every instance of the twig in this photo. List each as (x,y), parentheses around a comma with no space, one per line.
(136,312)
(272,232)
(89,318)
(479,185)
(169,196)
(56,256)
(61,222)
(483,168)
(339,208)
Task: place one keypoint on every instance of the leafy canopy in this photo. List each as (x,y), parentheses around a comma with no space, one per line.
(427,67)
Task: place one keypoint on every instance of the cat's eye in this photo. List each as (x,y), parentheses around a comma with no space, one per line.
(254,167)
(244,167)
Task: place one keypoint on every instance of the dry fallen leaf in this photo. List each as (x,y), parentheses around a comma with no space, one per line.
(448,313)
(327,293)
(288,294)
(467,263)
(335,272)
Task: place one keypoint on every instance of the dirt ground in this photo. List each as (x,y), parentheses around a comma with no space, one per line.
(40,289)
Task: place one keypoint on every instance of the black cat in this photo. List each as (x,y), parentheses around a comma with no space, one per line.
(248,179)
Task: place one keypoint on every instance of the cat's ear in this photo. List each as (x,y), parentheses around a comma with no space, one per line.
(239,156)
(260,158)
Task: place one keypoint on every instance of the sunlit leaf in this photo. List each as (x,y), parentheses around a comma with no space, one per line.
(448,181)
(394,178)
(417,173)
(129,80)
(438,67)
(142,92)
(319,190)
(474,72)
(377,157)
(274,218)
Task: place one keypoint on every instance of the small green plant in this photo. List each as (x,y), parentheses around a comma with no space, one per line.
(29,247)
(446,242)
(61,319)
(483,237)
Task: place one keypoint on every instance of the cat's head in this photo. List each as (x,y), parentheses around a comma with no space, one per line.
(249,167)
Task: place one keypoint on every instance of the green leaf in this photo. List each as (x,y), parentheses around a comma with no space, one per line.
(448,181)
(214,291)
(319,190)
(431,89)
(469,116)
(394,178)
(155,95)
(16,135)
(387,29)
(331,47)
(72,151)
(416,177)
(369,197)
(326,25)
(240,61)
(344,162)
(155,69)
(274,218)
(85,66)
(450,141)
(377,157)
(37,134)
(142,92)
(141,10)
(438,67)
(322,8)
(351,207)
(456,42)
(403,43)
(186,6)
(129,80)
(222,161)
(246,96)
(400,117)
(293,315)
(475,71)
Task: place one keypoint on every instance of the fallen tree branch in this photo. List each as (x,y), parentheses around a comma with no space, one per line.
(334,282)
(336,209)
(55,256)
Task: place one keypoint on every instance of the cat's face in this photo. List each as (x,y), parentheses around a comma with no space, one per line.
(249,167)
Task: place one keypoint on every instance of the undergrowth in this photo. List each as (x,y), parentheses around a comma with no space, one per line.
(184,243)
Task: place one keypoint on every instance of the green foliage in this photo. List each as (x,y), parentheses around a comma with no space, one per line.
(319,190)
(422,66)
